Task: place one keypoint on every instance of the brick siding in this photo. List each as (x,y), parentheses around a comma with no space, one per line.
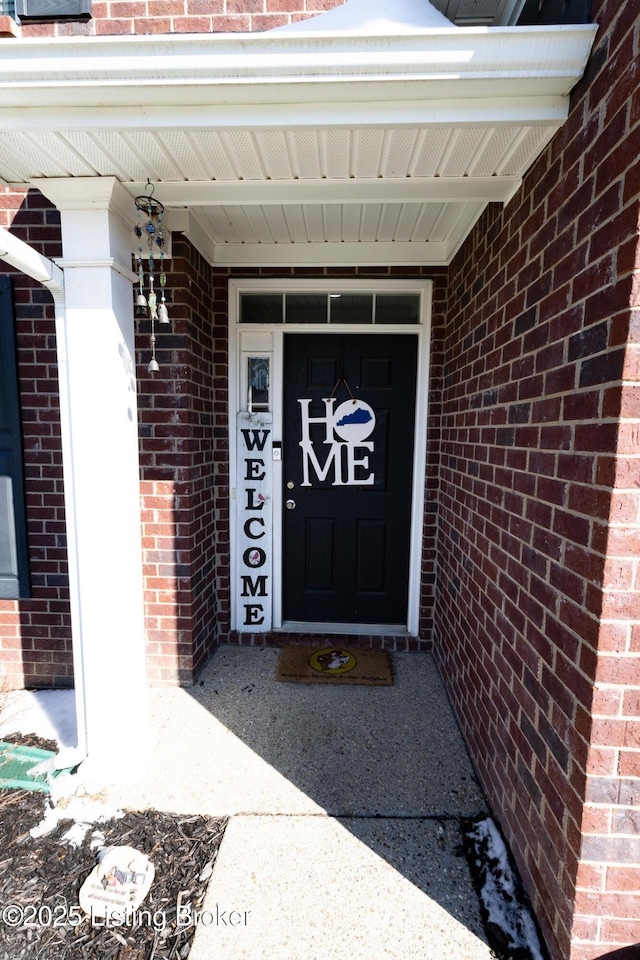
(536,616)
(179,450)
(608,891)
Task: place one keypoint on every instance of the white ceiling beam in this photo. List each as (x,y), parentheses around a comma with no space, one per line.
(406,104)
(326,254)
(325,191)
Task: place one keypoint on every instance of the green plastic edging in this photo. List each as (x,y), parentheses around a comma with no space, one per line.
(15,762)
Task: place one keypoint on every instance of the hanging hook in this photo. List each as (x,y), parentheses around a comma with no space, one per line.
(146,203)
(338,382)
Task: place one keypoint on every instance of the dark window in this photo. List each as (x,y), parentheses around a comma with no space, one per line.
(307,307)
(351,308)
(39,10)
(261,308)
(14,570)
(555,11)
(348,307)
(398,308)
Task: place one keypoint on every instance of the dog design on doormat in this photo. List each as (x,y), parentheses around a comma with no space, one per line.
(332,661)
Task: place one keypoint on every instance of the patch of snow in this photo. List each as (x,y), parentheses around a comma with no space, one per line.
(97,840)
(75,834)
(500,890)
(65,786)
(83,811)
(50,714)
(373,18)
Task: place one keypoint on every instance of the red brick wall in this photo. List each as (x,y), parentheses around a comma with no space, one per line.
(178,450)
(35,633)
(608,897)
(533,467)
(110,17)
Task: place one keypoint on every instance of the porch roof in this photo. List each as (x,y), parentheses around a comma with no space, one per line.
(299,147)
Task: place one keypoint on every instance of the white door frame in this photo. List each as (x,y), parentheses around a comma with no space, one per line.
(267,339)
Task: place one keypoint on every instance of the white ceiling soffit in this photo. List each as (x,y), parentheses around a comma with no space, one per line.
(296,147)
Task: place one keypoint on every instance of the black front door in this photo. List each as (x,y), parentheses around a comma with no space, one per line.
(349,410)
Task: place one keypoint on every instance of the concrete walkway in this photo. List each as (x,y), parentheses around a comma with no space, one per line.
(343,803)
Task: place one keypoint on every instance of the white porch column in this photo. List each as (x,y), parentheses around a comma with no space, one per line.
(95,336)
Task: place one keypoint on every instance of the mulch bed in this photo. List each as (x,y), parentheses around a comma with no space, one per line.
(40,879)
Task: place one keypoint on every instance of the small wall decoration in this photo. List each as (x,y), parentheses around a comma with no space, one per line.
(151,239)
(346,431)
(254,507)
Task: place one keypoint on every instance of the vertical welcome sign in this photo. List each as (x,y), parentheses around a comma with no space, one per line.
(254,513)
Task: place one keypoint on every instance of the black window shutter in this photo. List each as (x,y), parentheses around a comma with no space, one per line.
(14,568)
(43,10)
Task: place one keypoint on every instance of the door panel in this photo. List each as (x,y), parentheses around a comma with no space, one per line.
(371,556)
(349,410)
(320,553)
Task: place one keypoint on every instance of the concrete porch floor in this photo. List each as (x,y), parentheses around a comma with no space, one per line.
(344,806)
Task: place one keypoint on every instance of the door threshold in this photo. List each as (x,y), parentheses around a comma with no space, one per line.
(355,629)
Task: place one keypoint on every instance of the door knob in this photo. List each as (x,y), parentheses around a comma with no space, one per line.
(290,504)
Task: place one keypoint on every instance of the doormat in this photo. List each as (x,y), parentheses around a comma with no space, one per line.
(334,665)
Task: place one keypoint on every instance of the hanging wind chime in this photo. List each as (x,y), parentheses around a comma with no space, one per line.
(150,234)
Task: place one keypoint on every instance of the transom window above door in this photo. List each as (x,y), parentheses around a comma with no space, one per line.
(327,308)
